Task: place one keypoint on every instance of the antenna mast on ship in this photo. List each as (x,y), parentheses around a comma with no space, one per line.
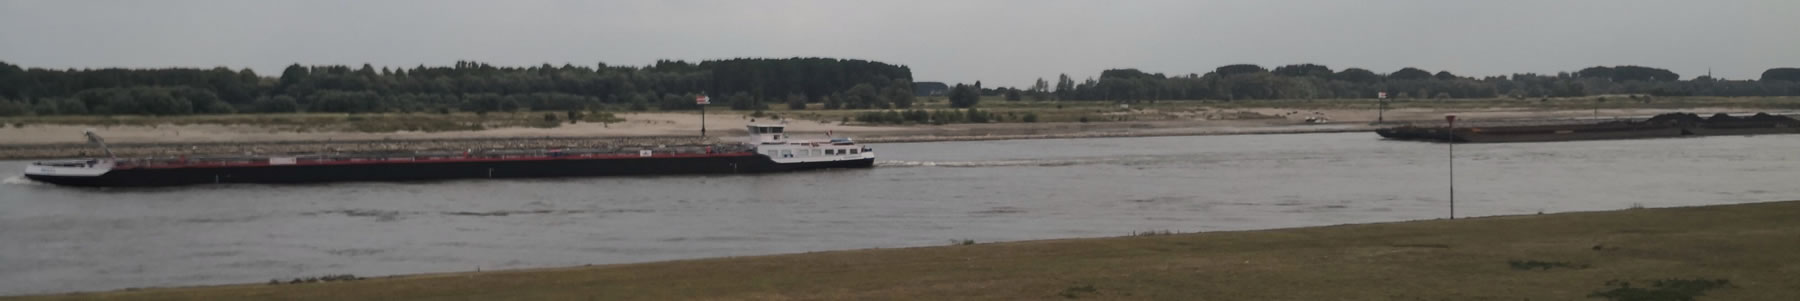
(95,139)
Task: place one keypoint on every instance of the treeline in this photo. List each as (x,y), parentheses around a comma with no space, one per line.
(747,84)
(1309,81)
(918,116)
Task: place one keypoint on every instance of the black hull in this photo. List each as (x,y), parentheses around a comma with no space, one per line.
(1661,126)
(1643,133)
(1549,133)
(284,174)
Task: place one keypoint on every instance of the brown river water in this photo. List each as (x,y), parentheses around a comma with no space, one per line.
(55,239)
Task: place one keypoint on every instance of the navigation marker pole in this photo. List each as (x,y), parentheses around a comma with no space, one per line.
(1380,107)
(1452,133)
(702,100)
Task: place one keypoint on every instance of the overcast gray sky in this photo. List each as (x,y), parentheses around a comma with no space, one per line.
(998,42)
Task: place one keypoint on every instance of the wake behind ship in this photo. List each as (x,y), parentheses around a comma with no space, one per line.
(768,150)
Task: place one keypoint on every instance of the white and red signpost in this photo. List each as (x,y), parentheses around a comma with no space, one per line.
(702,101)
(1381,107)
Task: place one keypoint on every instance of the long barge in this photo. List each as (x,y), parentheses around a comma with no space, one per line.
(769,150)
(1661,126)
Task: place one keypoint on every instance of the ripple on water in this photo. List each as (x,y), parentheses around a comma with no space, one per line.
(355,252)
(19,180)
(999,210)
(211,220)
(379,215)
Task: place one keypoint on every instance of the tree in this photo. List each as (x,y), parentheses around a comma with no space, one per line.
(367,71)
(69,106)
(1601,72)
(976,116)
(835,101)
(1301,70)
(796,101)
(1065,87)
(672,102)
(743,101)
(1229,70)
(1640,73)
(277,104)
(639,102)
(9,107)
(1444,75)
(1410,73)
(898,95)
(916,116)
(338,101)
(293,74)
(930,89)
(964,96)
(1357,75)
(864,96)
(1781,74)
(1126,74)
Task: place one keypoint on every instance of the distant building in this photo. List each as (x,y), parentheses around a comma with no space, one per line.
(930,89)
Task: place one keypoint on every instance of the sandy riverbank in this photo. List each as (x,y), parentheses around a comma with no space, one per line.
(635,125)
(732,124)
(1569,256)
(64,140)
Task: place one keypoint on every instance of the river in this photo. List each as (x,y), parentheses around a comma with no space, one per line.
(55,239)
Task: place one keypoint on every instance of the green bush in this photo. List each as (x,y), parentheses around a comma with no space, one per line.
(277,104)
(13,108)
(977,116)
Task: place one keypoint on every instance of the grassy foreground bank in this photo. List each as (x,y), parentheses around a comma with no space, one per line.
(1755,247)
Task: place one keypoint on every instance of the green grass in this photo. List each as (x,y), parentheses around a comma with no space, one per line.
(1737,252)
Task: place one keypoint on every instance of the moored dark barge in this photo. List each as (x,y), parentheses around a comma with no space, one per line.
(1660,126)
(1722,124)
(768,151)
